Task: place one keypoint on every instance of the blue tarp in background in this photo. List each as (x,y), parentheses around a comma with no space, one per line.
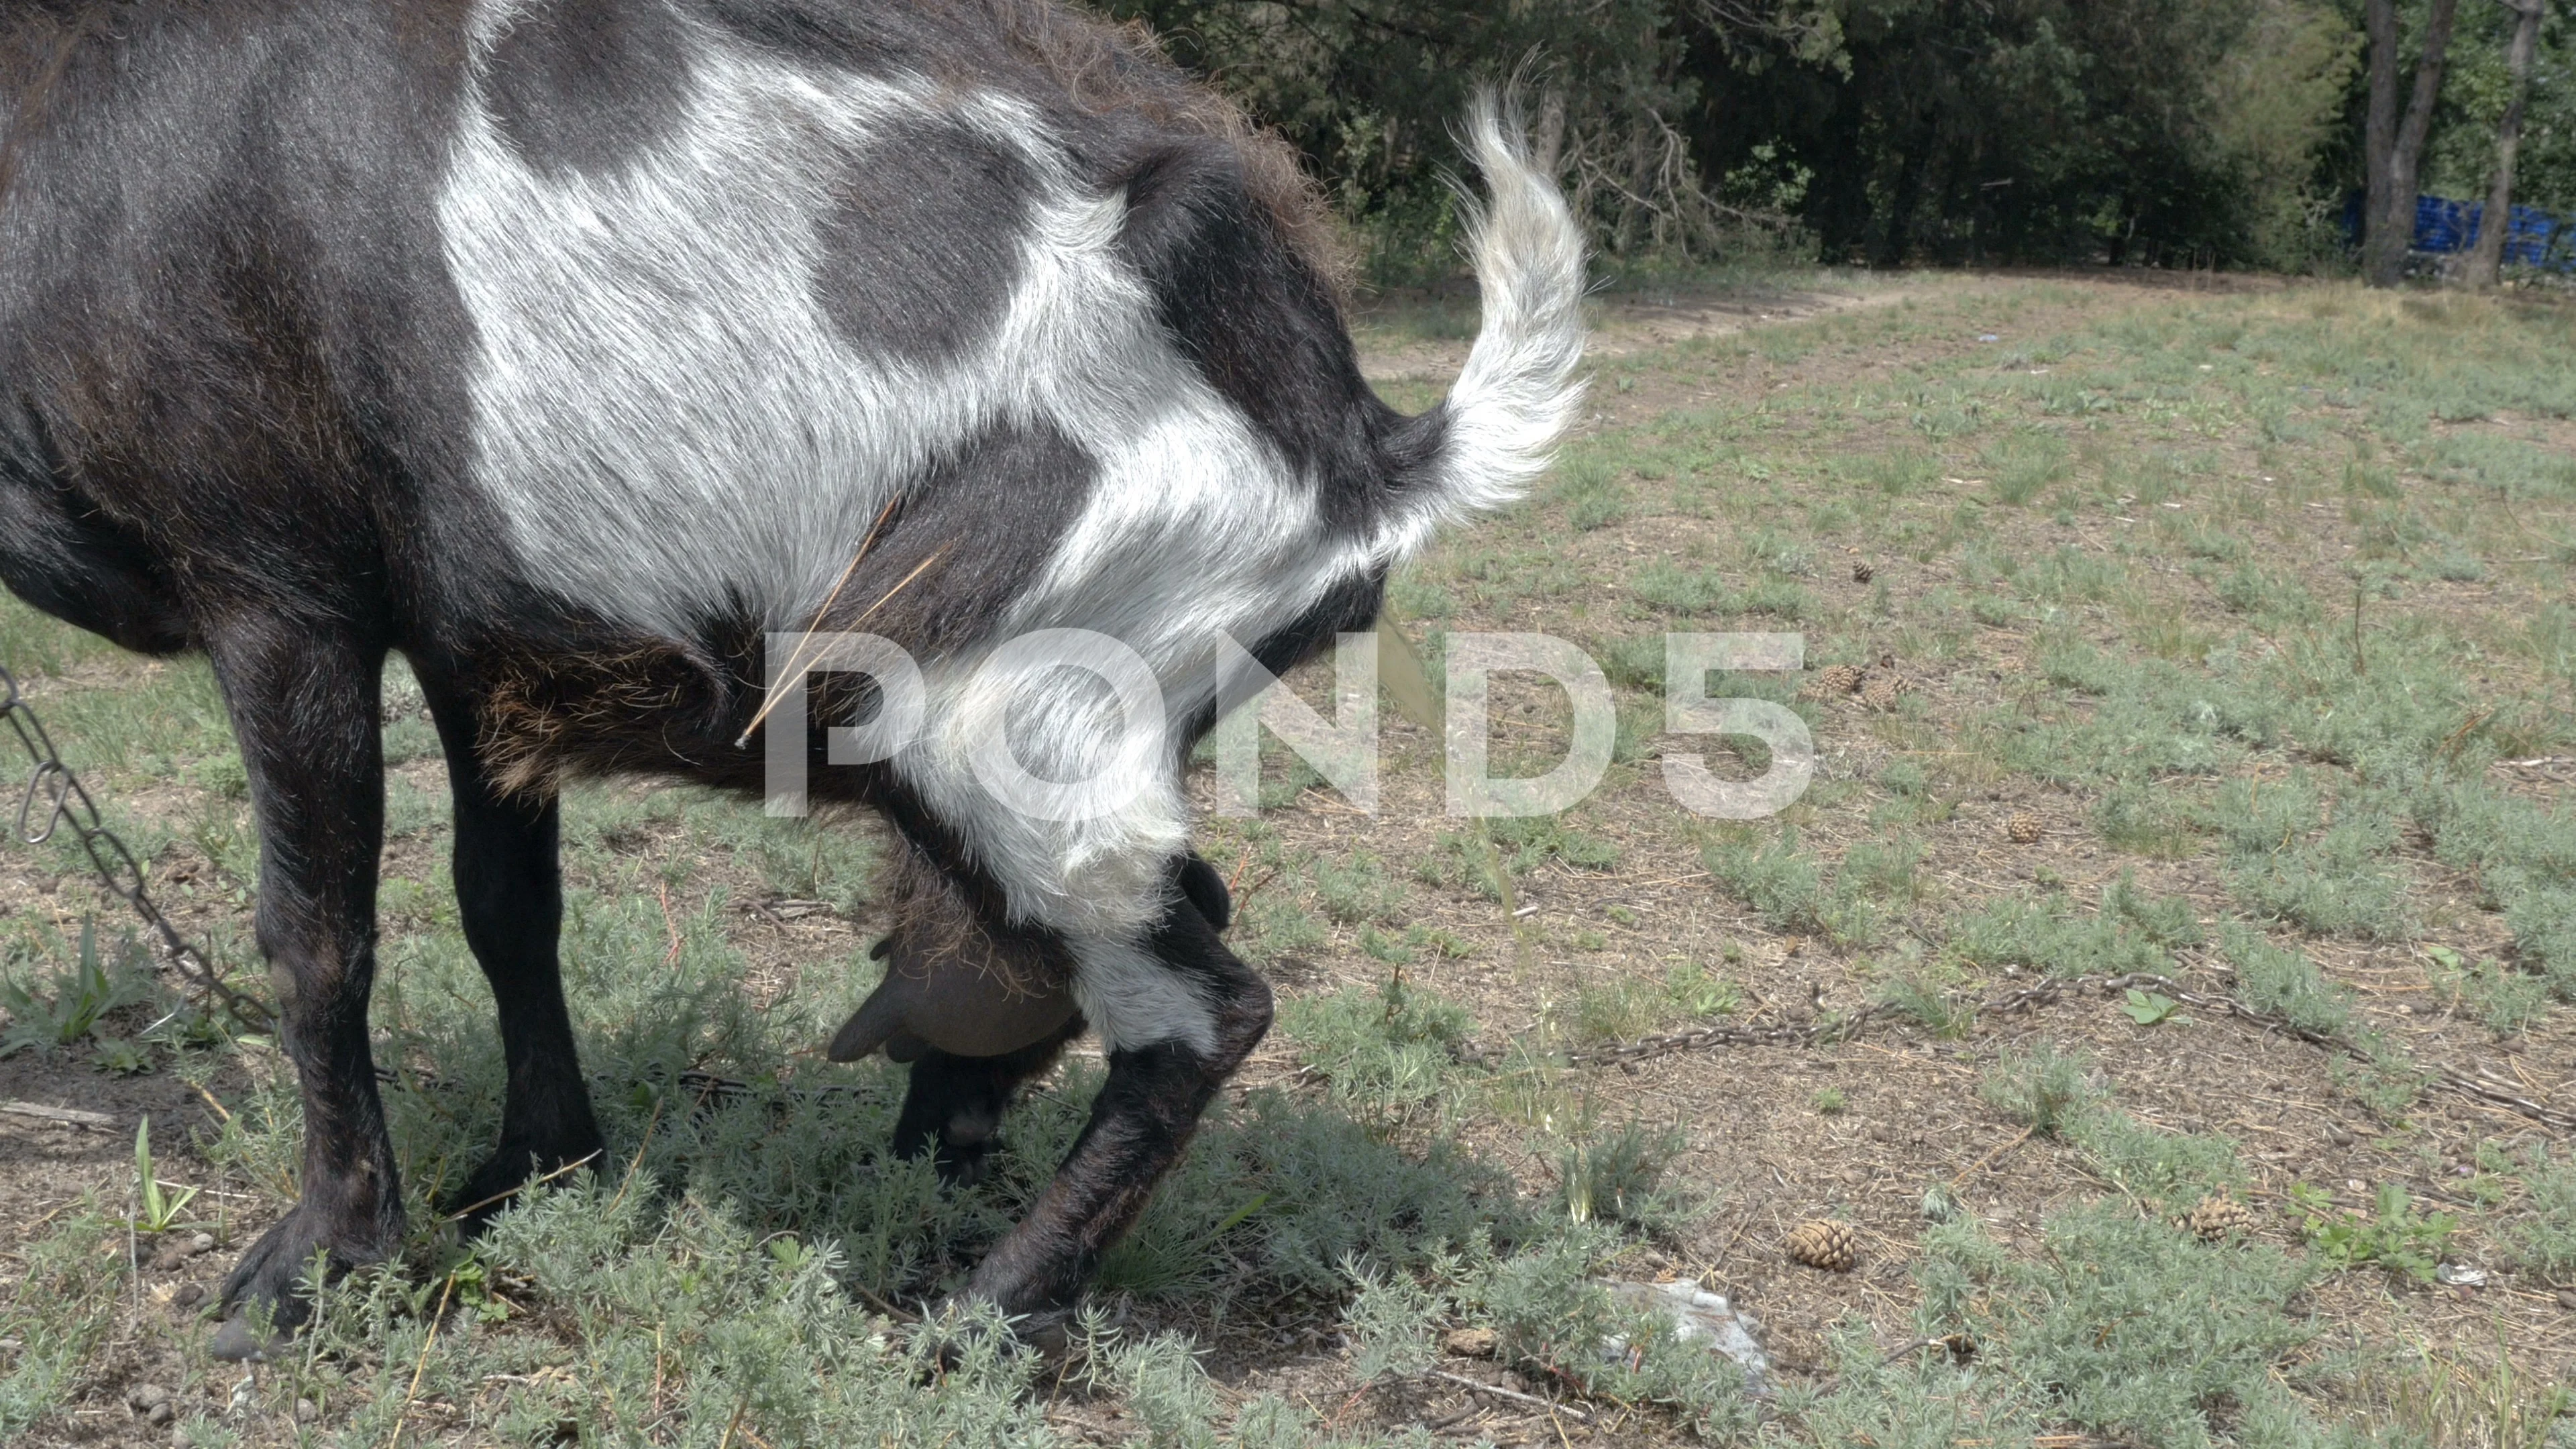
(2533,237)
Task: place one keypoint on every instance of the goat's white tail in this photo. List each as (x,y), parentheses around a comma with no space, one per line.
(1517,395)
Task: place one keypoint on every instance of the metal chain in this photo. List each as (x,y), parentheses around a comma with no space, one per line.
(55,798)
(2487,1085)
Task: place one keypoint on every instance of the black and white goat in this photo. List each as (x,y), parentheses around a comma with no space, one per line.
(574,347)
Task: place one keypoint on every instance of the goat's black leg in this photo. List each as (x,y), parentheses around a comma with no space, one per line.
(1140,1122)
(954,1106)
(303,705)
(509,892)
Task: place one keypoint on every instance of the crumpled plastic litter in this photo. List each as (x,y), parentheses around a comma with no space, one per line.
(1700,1316)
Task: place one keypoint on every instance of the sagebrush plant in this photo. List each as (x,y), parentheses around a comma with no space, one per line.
(2381,1075)
(2542,1236)
(2506,1000)
(1788,889)
(2282,982)
(1552,1314)
(1388,1054)
(2166,1172)
(1392,1322)
(59,1310)
(2044,1088)
(2049,935)
(2157,1338)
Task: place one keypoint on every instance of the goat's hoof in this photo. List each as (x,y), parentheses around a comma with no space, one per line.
(239,1340)
(264,1299)
(495,1185)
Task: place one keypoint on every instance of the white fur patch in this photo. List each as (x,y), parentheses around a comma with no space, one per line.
(1134,1000)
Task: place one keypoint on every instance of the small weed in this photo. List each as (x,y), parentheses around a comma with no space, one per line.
(2392,1236)
(1898,471)
(93,987)
(1696,995)
(2142,819)
(1592,493)
(157,1204)
(2024,466)
(2151,1008)
(120,1058)
(1828,1101)
(1930,996)
(2448,1401)
(1619,1177)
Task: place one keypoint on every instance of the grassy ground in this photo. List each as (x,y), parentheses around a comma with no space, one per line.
(2234,647)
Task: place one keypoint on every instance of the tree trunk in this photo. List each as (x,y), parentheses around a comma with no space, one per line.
(2384,262)
(2487,260)
(2378,139)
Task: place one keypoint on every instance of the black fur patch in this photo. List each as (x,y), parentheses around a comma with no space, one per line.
(59,553)
(979,527)
(1252,316)
(584,85)
(923,248)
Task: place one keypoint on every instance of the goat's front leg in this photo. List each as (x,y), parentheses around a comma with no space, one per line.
(303,701)
(1142,1119)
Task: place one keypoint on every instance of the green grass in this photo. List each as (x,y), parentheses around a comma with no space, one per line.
(2257,596)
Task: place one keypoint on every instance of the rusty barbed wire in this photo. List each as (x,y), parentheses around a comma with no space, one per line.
(55,799)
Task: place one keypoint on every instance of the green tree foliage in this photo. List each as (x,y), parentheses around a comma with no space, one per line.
(2163,132)
(2461,152)
(1368,91)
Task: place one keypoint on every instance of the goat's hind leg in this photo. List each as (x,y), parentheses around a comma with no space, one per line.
(952,1112)
(509,894)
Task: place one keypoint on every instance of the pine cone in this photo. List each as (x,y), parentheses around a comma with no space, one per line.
(1862,572)
(2022,828)
(1879,691)
(2217,1216)
(1824,1244)
(1469,1342)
